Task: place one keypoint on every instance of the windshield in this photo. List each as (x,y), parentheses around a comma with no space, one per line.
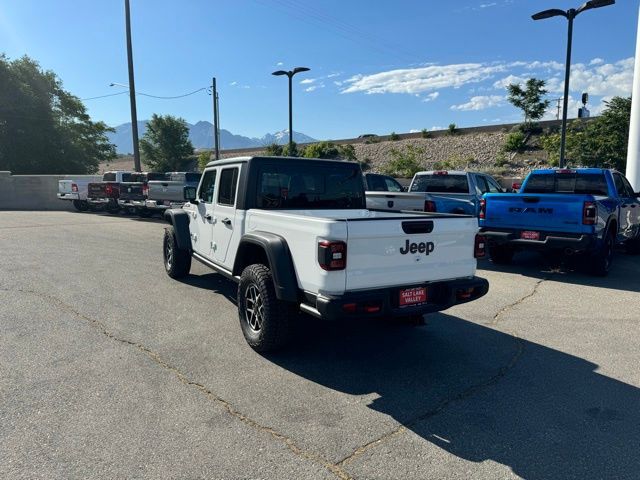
(579,183)
(432,183)
(328,186)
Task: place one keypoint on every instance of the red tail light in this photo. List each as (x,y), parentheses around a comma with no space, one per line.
(589,213)
(145,190)
(74,188)
(108,189)
(441,172)
(429,206)
(480,247)
(332,255)
(483,209)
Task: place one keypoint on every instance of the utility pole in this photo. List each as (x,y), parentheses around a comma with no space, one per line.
(216,119)
(558,114)
(132,91)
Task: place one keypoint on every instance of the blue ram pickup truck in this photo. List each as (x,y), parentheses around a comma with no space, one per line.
(585,211)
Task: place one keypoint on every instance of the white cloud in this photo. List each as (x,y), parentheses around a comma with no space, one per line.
(314,87)
(435,128)
(307,81)
(233,84)
(543,65)
(488,5)
(599,79)
(480,102)
(506,81)
(430,97)
(413,130)
(332,75)
(596,61)
(279,64)
(422,79)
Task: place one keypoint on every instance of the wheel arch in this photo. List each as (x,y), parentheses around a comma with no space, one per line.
(272,250)
(180,221)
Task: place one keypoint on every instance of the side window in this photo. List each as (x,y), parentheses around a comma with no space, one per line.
(228,186)
(628,187)
(392,185)
(493,185)
(620,186)
(481,184)
(207,187)
(376,183)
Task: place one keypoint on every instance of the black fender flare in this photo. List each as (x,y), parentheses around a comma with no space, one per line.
(180,221)
(280,262)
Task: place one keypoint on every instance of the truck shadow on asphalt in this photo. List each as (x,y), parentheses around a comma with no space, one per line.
(624,274)
(478,394)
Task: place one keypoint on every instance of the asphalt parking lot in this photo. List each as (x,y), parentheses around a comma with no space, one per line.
(110,369)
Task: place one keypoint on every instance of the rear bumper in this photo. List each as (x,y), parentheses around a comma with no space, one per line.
(440,296)
(548,241)
(159,205)
(68,196)
(102,201)
(131,203)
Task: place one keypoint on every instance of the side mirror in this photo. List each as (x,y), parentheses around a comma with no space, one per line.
(189,194)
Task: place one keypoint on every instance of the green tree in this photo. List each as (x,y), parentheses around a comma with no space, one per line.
(529,99)
(291,150)
(273,150)
(203,159)
(330,150)
(598,142)
(404,163)
(166,146)
(43,128)
(453,129)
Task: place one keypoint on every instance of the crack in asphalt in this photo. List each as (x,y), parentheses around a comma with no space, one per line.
(230,409)
(465,394)
(503,310)
(337,467)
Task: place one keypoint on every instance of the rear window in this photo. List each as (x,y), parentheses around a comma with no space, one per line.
(441,184)
(152,176)
(192,177)
(130,177)
(109,177)
(310,187)
(578,183)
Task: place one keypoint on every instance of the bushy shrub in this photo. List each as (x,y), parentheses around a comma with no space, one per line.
(515,142)
(404,163)
(453,129)
(394,136)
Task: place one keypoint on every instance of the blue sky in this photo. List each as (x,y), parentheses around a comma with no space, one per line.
(376,67)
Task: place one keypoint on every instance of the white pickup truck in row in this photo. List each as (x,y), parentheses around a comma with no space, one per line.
(295,234)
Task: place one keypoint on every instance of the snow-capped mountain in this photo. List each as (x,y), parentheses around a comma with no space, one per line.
(201,135)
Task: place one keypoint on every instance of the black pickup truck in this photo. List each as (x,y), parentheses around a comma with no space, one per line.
(134,193)
(105,194)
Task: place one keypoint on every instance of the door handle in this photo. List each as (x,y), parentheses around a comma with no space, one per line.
(227,222)
(208,216)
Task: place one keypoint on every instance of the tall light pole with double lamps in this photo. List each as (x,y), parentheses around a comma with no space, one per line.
(290,74)
(570,15)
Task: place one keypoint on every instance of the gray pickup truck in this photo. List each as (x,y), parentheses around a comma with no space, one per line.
(169,193)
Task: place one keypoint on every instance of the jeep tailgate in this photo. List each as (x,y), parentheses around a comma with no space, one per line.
(395,201)
(405,250)
(547,212)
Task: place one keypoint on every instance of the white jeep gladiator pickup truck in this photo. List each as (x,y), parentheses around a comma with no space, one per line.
(295,234)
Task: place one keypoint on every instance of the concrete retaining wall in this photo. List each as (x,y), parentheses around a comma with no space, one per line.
(34,192)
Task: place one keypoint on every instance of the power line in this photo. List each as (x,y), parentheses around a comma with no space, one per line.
(148,95)
(103,96)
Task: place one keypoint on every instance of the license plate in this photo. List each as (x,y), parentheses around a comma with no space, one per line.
(528,235)
(413,296)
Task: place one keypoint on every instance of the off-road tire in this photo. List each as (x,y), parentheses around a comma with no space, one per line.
(177,263)
(500,254)
(601,259)
(112,208)
(265,321)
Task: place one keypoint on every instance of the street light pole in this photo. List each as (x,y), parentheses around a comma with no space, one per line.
(132,91)
(290,74)
(570,15)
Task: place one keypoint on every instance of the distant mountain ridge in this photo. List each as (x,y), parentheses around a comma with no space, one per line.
(201,135)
